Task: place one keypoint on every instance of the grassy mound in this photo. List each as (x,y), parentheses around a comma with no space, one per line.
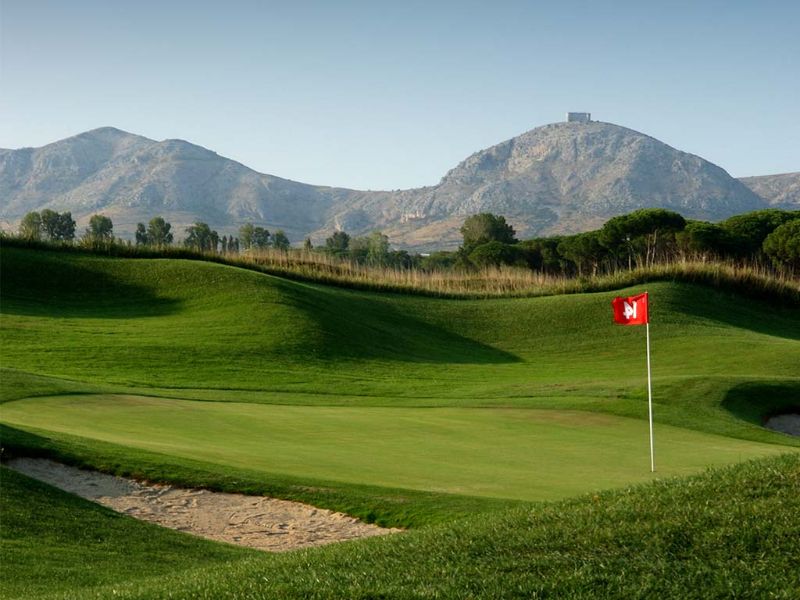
(727,533)
(221,333)
(55,541)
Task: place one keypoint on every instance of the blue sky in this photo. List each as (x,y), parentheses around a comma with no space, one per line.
(387,95)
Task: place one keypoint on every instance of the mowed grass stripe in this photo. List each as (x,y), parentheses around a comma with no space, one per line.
(521,454)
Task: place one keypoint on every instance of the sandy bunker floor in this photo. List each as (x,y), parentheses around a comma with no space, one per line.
(789,423)
(252,521)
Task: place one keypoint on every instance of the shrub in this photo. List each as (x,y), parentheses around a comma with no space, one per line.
(783,246)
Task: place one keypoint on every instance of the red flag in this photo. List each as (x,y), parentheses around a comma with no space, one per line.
(631,310)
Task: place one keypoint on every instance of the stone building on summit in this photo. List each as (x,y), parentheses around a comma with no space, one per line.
(579,117)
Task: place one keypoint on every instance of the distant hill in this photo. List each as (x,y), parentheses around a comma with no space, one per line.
(131,178)
(781,191)
(559,178)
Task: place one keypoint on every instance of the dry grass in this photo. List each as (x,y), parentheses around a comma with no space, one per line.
(754,280)
(758,281)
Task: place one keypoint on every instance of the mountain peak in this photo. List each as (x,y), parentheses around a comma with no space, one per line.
(558,178)
(553,149)
(572,176)
(105,130)
(106,133)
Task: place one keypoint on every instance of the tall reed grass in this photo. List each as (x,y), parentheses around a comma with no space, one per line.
(752,280)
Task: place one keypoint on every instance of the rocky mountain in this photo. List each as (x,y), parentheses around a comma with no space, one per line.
(560,178)
(131,178)
(781,191)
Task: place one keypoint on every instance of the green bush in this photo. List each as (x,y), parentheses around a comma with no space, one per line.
(783,246)
(495,254)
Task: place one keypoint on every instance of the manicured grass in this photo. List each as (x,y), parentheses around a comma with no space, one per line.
(731,533)
(415,411)
(53,541)
(385,506)
(204,331)
(189,324)
(505,453)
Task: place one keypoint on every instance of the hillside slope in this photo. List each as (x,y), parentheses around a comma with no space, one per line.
(131,178)
(564,177)
(559,178)
(45,531)
(188,324)
(781,191)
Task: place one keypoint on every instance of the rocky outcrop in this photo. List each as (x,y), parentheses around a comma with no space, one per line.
(781,191)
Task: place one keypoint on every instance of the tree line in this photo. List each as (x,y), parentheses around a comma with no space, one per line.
(49,225)
(373,250)
(641,238)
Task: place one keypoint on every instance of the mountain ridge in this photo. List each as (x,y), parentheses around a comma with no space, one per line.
(557,178)
(781,190)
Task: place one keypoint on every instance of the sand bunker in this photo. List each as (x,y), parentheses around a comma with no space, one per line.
(789,423)
(252,521)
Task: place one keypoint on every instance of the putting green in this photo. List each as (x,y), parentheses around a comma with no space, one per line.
(510,453)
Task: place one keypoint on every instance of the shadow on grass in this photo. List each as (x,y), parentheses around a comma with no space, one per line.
(48,285)
(756,402)
(357,325)
(734,310)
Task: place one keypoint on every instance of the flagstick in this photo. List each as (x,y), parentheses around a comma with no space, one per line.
(650,401)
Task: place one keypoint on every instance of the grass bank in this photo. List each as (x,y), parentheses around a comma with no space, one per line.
(728,533)
(53,541)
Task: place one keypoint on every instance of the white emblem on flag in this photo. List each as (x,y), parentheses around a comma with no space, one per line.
(629,310)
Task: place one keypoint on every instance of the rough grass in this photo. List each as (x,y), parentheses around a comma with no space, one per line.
(756,281)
